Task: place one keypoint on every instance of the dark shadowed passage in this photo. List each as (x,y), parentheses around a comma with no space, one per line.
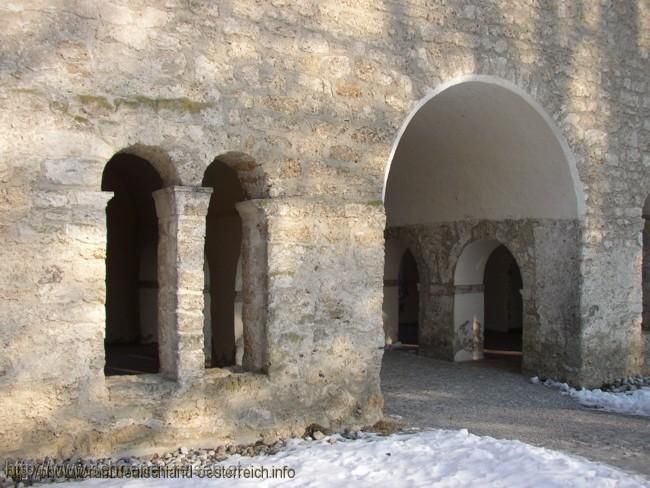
(409,308)
(503,324)
(131,266)
(223,239)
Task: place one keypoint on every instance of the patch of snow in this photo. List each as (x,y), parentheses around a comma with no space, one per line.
(633,402)
(438,458)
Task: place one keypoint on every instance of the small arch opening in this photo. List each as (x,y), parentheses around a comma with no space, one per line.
(223,327)
(503,320)
(645,266)
(131,341)
(488,304)
(408,300)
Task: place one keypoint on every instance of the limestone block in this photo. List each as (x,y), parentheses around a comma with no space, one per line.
(180,248)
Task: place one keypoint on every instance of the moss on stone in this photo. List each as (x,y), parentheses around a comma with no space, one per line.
(292,338)
(232,385)
(27,91)
(100,102)
(173,104)
(375,203)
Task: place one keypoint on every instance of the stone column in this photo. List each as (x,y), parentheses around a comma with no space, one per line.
(610,340)
(181,220)
(436,324)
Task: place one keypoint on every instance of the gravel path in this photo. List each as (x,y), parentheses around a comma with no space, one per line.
(489,399)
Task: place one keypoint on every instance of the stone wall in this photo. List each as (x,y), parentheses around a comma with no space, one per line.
(304,332)
(305,101)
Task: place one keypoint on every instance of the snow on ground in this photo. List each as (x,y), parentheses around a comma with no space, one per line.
(634,402)
(437,458)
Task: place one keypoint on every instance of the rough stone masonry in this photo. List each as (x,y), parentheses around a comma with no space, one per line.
(306,102)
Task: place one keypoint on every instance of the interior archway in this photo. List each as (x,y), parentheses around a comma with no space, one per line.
(223,329)
(131,266)
(469,299)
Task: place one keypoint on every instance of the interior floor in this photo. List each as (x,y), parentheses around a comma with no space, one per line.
(408,333)
(131,359)
(510,341)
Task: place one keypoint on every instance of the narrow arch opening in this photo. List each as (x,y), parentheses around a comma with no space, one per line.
(131,341)
(645,266)
(503,320)
(223,328)
(408,300)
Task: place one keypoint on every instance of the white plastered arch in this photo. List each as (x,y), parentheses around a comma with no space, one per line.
(559,187)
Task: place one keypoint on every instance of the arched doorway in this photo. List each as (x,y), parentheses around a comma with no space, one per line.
(479,161)
(645,285)
(503,318)
(131,266)
(408,300)
(488,303)
(645,268)
(223,330)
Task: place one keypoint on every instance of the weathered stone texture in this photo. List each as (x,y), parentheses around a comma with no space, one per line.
(304,100)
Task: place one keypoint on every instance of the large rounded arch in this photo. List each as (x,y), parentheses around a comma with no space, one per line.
(468,141)
(479,161)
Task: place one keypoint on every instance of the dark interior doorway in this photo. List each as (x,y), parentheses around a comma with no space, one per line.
(645,267)
(222,250)
(409,300)
(503,321)
(131,266)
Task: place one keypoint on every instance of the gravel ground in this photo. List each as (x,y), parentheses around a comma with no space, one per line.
(492,398)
